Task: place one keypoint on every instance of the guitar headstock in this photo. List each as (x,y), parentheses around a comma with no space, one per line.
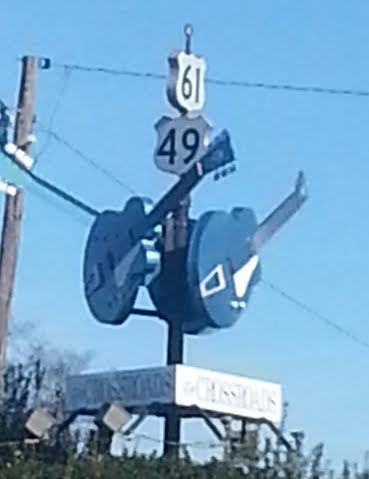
(219,154)
(301,187)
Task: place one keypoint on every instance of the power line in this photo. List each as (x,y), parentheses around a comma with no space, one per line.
(220,82)
(54,112)
(315,314)
(67,197)
(52,188)
(110,71)
(101,169)
(55,204)
(289,87)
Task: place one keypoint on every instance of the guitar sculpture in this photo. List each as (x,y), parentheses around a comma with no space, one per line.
(223,264)
(121,253)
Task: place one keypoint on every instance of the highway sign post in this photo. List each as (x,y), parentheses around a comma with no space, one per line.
(200,272)
(186,93)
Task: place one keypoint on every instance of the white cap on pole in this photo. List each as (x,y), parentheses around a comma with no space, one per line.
(19,155)
(8,188)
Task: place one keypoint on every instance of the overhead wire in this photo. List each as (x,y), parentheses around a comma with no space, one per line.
(87,159)
(110,71)
(78,152)
(38,194)
(54,112)
(56,190)
(217,81)
(69,198)
(316,314)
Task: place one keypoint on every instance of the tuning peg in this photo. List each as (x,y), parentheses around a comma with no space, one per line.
(224,172)
(300,186)
(232,168)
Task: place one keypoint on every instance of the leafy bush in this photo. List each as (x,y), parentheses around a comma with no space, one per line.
(142,467)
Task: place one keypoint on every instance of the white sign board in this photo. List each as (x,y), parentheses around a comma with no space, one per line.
(228,394)
(180,384)
(132,388)
(186,82)
(181,143)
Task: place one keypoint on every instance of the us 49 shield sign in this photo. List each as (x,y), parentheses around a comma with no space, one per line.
(181,143)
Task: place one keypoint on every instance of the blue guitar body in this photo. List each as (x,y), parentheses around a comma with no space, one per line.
(115,265)
(222,265)
(219,246)
(121,253)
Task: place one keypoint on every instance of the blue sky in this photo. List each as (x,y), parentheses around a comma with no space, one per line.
(320,257)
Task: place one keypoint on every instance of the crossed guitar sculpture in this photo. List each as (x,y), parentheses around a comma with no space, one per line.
(222,263)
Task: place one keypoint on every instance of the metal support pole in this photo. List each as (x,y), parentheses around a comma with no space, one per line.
(175,245)
(174,267)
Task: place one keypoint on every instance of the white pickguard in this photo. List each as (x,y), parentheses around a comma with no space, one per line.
(217,273)
(122,269)
(243,276)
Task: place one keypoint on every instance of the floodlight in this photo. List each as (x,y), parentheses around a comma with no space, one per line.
(113,416)
(39,423)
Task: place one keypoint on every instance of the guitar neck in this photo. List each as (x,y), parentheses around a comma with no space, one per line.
(169,202)
(219,153)
(277,219)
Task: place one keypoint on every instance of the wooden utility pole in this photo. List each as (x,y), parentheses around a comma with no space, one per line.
(14,205)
